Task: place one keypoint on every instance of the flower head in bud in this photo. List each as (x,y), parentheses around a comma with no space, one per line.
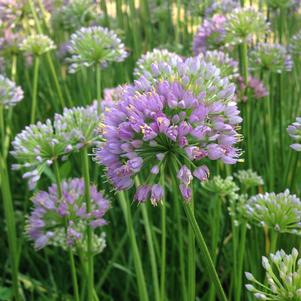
(294,131)
(10,93)
(145,64)
(37,44)
(210,35)
(284,278)
(249,178)
(280,212)
(273,58)
(243,23)
(46,223)
(94,45)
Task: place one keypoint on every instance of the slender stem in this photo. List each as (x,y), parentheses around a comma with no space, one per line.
(98,88)
(280,107)
(86,175)
(273,242)
(14,67)
(124,203)
(163,249)
(209,266)
(71,256)
(35,90)
(11,225)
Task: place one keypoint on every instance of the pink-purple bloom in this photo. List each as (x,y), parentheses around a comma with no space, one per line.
(210,35)
(294,131)
(164,121)
(63,221)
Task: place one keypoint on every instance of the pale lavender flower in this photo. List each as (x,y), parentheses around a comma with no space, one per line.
(255,87)
(210,35)
(271,57)
(294,131)
(9,42)
(94,45)
(222,7)
(63,221)
(11,11)
(10,93)
(156,121)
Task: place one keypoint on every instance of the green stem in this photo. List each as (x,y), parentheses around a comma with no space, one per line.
(11,225)
(163,249)
(274,238)
(86,175)
(209,266)
(35,90)
(71,256)
(280,107)
(124,203)
(98,88)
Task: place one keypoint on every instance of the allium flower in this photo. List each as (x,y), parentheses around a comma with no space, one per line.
(210,35)
(9,42)
(75,14)
(243,23)
(78,126)
(222,7)
(294,131)
(223,187)
(111,96)
(144,64)
(254,87)
(272,57)
(37,44)
(295,45)
(249,178)
(10,11)
(10,93)
(280,212)
(36,147)
(63,221)
(174,121)
(95,46)
(228,66)
(283,274)
(280,3)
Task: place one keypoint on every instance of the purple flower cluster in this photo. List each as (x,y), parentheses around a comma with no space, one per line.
(294,131)
(210,35)
(254,86)
(169,121)
(63,221)
(10,93)
(222,7)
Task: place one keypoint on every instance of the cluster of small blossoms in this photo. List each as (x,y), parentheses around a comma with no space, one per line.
(295,45)
(283,274)
(243,23)
(75,14)
(9,42)
(11,11)
(94,45)
(249,178)
(222,7)
(280,212)
(144,64)
(280,3)
(38,145)
(111,96)
(78,126)
(228,66)
(188,117)
(255,86)
(52,214)
(37,44)
(225,188)
(210,35)
(271,57)
(294,131)
(10,93)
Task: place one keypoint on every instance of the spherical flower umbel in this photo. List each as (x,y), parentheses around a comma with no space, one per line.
(271,57)
(210,35)
(283,275)
(294,131)
(243,23)
(280,212)
(170,122)
(94,45)
(228,66)
(144,64)
(53,216)
(10,93)
(37,44)
(249,178)
(295,45)
(255,88)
